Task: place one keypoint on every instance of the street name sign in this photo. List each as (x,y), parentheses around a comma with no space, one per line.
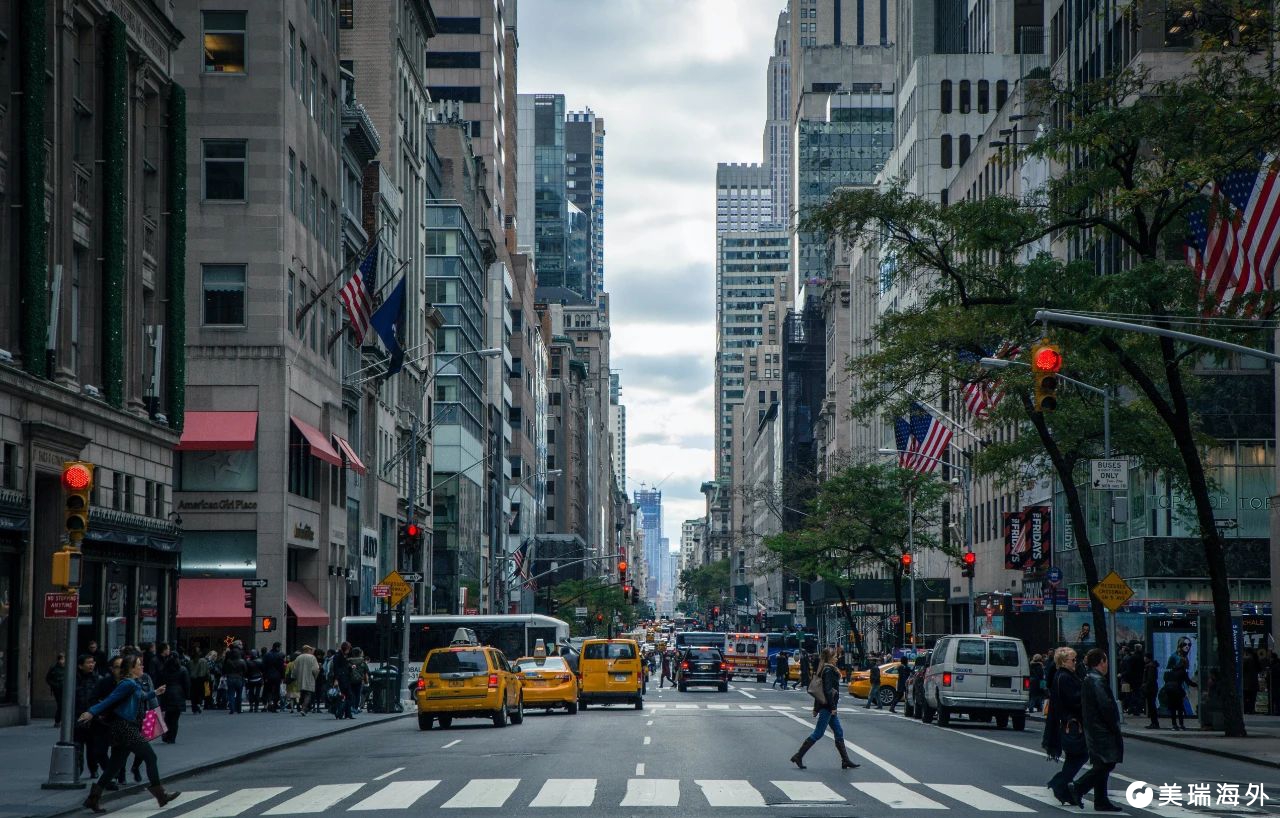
(1110,474)
(1113,592)
(381,591)
(580,612)
(253,583)
(61,605)
(400,589)
(411,576)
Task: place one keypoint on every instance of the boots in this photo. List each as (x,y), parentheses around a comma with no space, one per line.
(161,796)
(94,802)
(845,763)
(798,758)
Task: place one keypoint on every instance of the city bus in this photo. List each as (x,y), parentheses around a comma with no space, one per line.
(791,642)
(685,639)
(747,655)
(513,634)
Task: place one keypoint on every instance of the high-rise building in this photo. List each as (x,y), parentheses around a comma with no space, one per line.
(777,128)
(650,503)
(618,428)
(550,204)
(584,182)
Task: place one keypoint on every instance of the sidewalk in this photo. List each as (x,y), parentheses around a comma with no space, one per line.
(1261,746)
(207,740)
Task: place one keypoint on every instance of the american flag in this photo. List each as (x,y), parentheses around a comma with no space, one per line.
(931,436)
(982,396)
(902,437)
(1234,244)
(521,560)
(354,295)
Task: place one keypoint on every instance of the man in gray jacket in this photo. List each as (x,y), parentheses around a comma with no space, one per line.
(1101,734)
(305,671)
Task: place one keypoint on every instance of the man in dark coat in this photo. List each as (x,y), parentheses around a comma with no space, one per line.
(874,695)
(343,678)
(1101,734)
(1151,689)
(272,676)
(904,672)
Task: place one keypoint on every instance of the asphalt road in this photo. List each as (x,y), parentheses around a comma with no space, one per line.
(695,753)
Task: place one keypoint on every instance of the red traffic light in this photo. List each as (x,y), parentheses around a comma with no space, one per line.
(622,565)
(715,611)
(77,477)
(1046,358)
(413,529)
(599,617)
(626,589)
(970,558)
(906,560)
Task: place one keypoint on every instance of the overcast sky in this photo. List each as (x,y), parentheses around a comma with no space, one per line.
(681,86)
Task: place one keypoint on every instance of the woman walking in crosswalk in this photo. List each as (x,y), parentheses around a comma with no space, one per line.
(825,710)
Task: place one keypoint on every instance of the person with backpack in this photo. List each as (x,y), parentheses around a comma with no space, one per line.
(359,678)
(826,698)
(123,711)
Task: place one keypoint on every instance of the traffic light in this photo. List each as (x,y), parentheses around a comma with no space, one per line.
(77,483)
(715,611)
(905,559)
(967,561)
(250,597)
(1046,363)
(409,536)
(599,617)
(635,595)
(622,567)
(265,624)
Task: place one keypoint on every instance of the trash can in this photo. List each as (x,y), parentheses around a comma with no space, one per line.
(385,683)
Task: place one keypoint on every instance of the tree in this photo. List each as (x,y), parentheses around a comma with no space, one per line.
(704,586)
(600,597)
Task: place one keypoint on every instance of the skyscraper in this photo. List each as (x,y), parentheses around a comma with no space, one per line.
(550,204)
(584,183)
(777,128)
(650,502)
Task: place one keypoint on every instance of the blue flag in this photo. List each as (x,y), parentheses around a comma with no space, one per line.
(388,322)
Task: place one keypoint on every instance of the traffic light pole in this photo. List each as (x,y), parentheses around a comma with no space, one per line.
(911,549)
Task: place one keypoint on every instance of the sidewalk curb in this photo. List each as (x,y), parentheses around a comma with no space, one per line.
(1213,751)
(206,766)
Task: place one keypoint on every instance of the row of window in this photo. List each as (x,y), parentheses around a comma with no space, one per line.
(947,94)
(318,97)
(311,204)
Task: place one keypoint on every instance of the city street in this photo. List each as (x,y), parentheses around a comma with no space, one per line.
(702,752)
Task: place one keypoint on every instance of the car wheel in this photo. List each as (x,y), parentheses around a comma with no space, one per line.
(583,704)
(886,696)
(944,716)
(572,708)
(724,688)
(926,713)
(908,710)
(1019,721)
(1002,721)
(446,722)
(762,679)
(639,703)
(681,687)
(500,718)
(518,716)
(424,721)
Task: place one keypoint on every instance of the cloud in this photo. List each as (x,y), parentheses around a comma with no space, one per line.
(681,87)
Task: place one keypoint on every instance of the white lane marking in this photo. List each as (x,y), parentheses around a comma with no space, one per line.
(450,744)
(993,741)
(648,740)
(639,769)
(750,707)
(1045,797)
(745,693)
(781,707)
(656,705)
(897,796)
(686,707)
(649,723)
(317,799)
(717,707)
(977,798)
(388,775)
(148,807)
(235,803)
(730,793)
(396,795)
(483,792)
(652,792)
(807,791)
(566,792)
(867,754)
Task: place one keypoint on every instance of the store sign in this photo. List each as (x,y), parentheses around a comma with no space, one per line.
(304,531)
(218,504)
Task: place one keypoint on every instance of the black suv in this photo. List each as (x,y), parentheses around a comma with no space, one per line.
(702,666)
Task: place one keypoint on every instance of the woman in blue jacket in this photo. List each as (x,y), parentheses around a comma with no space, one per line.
(123,711)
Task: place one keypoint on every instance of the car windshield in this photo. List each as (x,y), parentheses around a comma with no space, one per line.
(704,655)
(1003,654)
(548,663)
(609,650)
(457,661)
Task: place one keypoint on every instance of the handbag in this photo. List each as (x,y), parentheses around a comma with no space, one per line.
(1073,741)
(153,726)
(816,691)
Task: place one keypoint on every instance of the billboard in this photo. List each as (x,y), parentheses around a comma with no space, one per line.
(1027,536)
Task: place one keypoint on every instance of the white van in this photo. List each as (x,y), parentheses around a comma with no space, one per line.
(979,675)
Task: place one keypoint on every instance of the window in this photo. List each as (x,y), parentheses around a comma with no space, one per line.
(945,101)
(302,69)
(311,88)
(1003,654)
(293,59)
(224,170)
(964,147)
(223,294)
(946,150)
(346,14)
(984,96)
(462,93)
(971,652)
(224,42)
(293,194)
(302,191)
(458,25)
(302,466)
(453,59)
(964,96)
(293,284)
(551,487)
(1002,93)
(551,437)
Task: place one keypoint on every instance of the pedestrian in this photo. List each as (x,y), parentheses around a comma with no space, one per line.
(806,670)
(234,669)
(340,672)
(148,684)
(1176,679)
(273,662)
(306,670)
(99,735)
(874,695)
(1133,677)
(123,711)
(904,672)
(825,711)
(1101,734)
(253,680)
(218,692)
(1151,690)
(1249,670)
(176,683)
(56,678)
(781,671)
(291,685)
(1064,726)
(86,680)
(100,664)
(199,673)
(666,669)
(359,678)
(150,659)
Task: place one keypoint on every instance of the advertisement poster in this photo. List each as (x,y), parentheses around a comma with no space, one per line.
(1014,541)
(1027,536)
(1076,628)
(1167,635)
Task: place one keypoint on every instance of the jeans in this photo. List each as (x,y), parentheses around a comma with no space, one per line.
(254,689)
(171,716)
(235,694)
(304,701)
(1071,765)
(826,717)
(357,695)
(1096,780)
(120,755)
(874,696)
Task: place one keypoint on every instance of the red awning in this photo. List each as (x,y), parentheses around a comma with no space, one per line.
(218,431)
(319,444)
(305,607)
(212,603)
(353,460)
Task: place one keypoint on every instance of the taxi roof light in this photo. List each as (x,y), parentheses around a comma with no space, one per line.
(464,636)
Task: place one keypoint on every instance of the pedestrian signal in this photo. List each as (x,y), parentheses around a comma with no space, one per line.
(1046,363)
(265,624)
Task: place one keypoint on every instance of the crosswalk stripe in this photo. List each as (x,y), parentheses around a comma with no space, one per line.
(235,803)
(1044,796)
(142,809)
(396,795)
(317,799)
(730,793)
(686,707)
(717,707)
(978,799)
(897,796)
(566,792)
(750,707)
(807,791)
(652,792)
(781,707)
(483,792)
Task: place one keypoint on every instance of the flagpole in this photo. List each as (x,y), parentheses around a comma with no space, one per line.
(342,271)
(334,338)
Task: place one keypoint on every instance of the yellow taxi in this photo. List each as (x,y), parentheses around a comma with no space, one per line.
(860,683)
(468,680)
(610,672)
(547,681)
